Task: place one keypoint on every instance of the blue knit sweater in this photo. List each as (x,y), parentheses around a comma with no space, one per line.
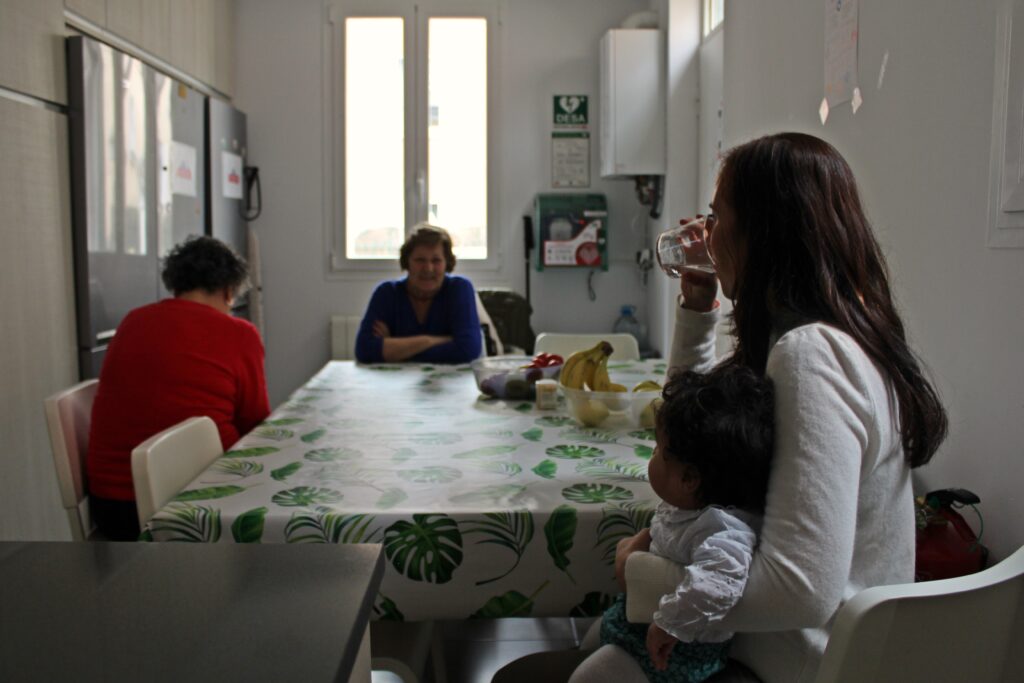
(452,313)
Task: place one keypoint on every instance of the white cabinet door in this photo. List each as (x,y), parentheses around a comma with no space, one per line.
(93,10)
(183,35)
(32,48)
(38,336)
(224,46)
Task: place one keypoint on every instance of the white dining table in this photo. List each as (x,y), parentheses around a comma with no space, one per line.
(485,507)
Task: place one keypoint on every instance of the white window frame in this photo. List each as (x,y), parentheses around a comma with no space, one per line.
(416,15)
(705,19)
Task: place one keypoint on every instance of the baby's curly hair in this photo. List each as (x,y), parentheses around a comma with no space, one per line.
(206,263)
(722,423)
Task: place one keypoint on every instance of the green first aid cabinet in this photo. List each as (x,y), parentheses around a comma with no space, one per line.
(572,230)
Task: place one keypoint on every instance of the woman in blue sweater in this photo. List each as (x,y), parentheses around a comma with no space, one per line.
(428,316)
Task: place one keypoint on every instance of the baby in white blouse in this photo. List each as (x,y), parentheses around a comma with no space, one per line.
(710,467)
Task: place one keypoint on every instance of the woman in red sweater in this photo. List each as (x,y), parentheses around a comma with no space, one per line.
(169,361)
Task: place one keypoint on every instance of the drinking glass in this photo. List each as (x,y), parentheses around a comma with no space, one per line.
(685,247)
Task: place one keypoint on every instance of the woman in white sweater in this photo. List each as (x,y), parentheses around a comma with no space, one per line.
(854,412)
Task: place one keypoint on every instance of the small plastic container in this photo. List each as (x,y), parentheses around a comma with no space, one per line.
(547,394)
(632,409)
(510,377)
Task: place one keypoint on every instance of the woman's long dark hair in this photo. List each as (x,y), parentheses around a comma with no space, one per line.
(810,250)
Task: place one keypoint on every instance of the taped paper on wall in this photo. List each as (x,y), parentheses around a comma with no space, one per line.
(183,169)
(840,50)
(231,175)
(570,159)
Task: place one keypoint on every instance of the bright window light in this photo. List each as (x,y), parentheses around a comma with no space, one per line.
(714,13)
(413,112)
(457,131)
(374,137)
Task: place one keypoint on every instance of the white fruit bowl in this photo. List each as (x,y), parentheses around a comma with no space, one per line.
(505,376)
(611,408)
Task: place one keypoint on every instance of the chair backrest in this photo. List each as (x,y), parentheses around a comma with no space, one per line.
(510,312)
(164,464)
(969,628)
(68,416)
(625,345)
(492,341)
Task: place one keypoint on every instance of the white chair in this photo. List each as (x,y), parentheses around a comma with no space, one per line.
(970,628)
(625,345)
(165,463)
(68,416)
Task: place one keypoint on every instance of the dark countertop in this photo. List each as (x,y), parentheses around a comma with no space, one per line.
(182,612)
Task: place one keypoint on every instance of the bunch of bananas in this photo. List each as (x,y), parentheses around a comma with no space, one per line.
(581,369)
(601,380)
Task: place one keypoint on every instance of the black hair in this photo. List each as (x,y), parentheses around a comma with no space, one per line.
(721,423)
(810,251)
(426,235)
(206,263)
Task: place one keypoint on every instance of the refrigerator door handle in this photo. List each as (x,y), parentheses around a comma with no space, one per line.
(252,188)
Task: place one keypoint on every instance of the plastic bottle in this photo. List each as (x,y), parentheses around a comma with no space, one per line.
(628,323)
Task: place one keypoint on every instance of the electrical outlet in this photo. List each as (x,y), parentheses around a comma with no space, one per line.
(644,263)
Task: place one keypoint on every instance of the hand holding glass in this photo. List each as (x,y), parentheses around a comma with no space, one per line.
(685,247)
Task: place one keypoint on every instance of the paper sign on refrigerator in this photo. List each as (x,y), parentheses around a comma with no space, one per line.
(183,169)
(231,175)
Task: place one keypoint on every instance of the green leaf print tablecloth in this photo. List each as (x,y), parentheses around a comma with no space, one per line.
(485,507)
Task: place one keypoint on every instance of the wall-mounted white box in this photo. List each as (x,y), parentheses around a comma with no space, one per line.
(632,125)
(1006,171)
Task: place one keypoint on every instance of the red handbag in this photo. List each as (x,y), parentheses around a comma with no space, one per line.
(946,544)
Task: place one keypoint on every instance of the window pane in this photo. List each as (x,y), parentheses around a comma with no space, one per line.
(374,137)
(714,13)
(457,131)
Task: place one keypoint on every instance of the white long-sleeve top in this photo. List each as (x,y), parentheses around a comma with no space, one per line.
(839,512)
(715,546)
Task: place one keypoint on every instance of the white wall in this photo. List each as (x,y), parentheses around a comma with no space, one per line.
(546,48)
(920,149)
(680,19)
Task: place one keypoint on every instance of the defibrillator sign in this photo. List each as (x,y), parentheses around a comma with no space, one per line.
(571,110)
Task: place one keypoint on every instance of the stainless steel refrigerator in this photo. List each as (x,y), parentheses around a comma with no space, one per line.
(228,196)
(138,183)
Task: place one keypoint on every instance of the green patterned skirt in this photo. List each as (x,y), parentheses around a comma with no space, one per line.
(689,662)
